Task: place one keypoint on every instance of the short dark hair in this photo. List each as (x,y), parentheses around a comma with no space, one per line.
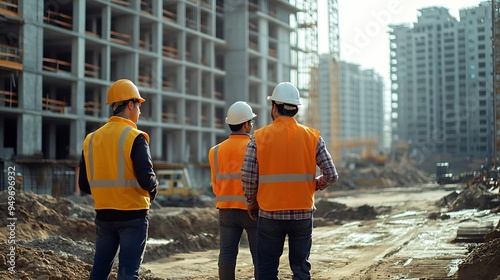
(122,106)
(284,112)
(235,127)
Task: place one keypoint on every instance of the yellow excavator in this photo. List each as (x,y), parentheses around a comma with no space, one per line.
(175,188)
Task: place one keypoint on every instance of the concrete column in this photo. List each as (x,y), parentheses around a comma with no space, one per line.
(156,143)
(78,53)
(236,58)
(29,133)
(106,52)
(29,140)
(2,128)
(51,141)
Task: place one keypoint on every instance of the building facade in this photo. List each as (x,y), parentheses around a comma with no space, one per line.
(355,108)
(441,83)
(191,59)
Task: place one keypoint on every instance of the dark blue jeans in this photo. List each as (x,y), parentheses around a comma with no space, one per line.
(271,239)
(131,237)
(232,222)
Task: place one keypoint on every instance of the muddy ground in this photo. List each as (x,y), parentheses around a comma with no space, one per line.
(370,232)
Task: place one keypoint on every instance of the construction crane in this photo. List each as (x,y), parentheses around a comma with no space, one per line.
(306,43)
(312,118)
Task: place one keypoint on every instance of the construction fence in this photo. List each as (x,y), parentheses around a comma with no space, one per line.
(56,178)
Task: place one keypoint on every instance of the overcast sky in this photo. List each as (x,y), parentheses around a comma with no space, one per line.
(363,27)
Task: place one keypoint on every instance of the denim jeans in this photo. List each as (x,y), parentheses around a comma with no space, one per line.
(130,236)
(271,239)
(232,222)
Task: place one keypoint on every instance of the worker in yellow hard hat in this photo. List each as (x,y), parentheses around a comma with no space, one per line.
(279,181)
(116,169)
(226,159)
(19,181)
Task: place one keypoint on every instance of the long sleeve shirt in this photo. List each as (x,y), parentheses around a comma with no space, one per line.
(250,180)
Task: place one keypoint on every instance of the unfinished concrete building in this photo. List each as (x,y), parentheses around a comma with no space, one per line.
(190,59)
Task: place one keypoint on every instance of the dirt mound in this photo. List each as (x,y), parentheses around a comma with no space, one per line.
(363,212)
(475,197)
(330,211)
(325,206)
(33,263)
(83,250)
(42,216)
(55,236)
(403,174)
(482,263)
(185,229)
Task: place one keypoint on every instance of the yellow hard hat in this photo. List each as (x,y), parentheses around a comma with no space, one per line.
(122,90)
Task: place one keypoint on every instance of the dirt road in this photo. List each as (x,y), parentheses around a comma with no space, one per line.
(401,243)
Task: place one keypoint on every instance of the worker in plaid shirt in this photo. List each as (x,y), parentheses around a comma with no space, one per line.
(279,181)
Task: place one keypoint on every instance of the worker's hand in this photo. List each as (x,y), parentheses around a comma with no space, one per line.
(253,210)
(152,194)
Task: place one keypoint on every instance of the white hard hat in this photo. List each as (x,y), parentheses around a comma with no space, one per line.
(285,92)
(239,112)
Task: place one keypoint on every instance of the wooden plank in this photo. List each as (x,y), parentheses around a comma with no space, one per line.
(58,18)
(92,107)
(170,51)
(169,117)
(121,2)
(144,80)
(168,15)
(54,65)
(8,100)
(8,4)
(120,38)
(9,93)
(53,104)
(91,70)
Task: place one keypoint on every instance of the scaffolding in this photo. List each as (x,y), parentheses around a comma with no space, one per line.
(306,51)
(333,30)
(496,77)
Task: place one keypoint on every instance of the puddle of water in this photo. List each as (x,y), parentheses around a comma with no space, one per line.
(453,267)
(408,262)
(405,222)
(362,238)
(408,213)
(159,241)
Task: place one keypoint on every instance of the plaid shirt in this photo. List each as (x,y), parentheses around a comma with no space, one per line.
(250,180)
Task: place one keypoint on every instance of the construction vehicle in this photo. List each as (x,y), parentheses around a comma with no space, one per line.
(175,188)
(373,158)
(367,158)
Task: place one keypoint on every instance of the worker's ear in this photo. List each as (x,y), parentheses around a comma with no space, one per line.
(130,104)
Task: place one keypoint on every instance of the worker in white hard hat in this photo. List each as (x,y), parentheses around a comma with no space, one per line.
(116,169)
(279,181)
(226,160)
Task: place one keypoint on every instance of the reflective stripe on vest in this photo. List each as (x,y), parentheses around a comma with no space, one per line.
(121,181)
(223,177)
(285,178)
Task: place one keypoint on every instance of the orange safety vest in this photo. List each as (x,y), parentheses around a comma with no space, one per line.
(110,170)
(286,154)
(226,160)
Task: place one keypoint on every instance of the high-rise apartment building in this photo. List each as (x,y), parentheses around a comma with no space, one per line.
(191,59)
(357,107)
(441,82)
